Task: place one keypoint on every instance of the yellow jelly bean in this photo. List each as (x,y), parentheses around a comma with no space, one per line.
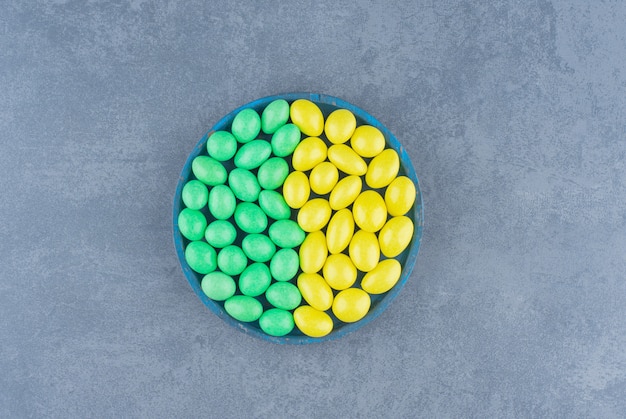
(395,236)
(383,277)
(309,153)
(369,211)
(312,322)
(339,126)
(315,291)
(351,305)
(323,178)
(399,196)
(296,189)
(339,231)
(382,169)
(339,271)
(367,141)
(314,215)
(307,116)
(345,192)
(313,252)
(347,160)
(364,250)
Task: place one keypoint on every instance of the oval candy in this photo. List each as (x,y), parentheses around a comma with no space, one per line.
(231,260)
(244,184)
(339,126)
(221,145)
(340,230)
(369,211)
(382,169)
(285,140)
(347,160)
(276,322)
(246,125)
(243,308)
(272,173)
(222,202)
(191,224)
(274,116)
(323,178)
(383,277)
(315,291)
(395,236)
(339,271)
(286,233)
(345,192)
(274,205)
(314,215)
(208,170)
(258,247)
(284,265)
(310,152)
(195,195)
(296,189)
(218,286)
(255,279)
(200,257)
(250,217)
(220,233)
(400,196)
(351,305)
(312,322)
(367,141)
(307,116)
(313,252)
(251,155)
(283,295)
(364,250)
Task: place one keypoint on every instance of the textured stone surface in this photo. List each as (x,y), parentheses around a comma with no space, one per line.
(513,114)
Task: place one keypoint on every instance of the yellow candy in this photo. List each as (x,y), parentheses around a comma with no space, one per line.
(309,153)
(367,141)
(383,277)
(395,236)
(369,211)
(339,271)
(313,252)
(323,178)
(312,322)
(382,169)
(307,116)
(345,192)
(351,305)
(296,189)
(364,250)
(315,291)
(339,126)
(314,215)
(347,160)
(339,231)
(399,196)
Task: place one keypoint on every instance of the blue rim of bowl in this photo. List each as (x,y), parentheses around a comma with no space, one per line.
(407,268)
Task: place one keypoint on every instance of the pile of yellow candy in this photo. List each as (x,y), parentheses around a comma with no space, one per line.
(353,206)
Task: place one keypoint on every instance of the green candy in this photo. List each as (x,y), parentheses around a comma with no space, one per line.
(208,170)
(231,260)
(218,286)
(286,233)
(222,202)
(244,184)
(274,205)
(284,265)
(200,257)
(195,194)
(255,279)
(272,173)
(258,247)
(250,218)
(192,224)
(285,140)
(220,234)
(274,116)
(221,145)
(246,125)
(283,295)
(252,154)
(276,322)
(243,308)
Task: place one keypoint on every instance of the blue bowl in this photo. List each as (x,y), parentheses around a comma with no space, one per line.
(407,258)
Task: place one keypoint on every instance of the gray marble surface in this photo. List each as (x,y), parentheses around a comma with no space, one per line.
(513,113)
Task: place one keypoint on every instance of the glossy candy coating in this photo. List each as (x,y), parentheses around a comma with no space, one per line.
(314,215)
(347,160)
(339,126)
(369,211)
(339,271)
(307,116)
(367,141)
(340,230)
(351,305)
(312,322)
(382,169)
(309,153)
(395,236)
(313,252)
(383,277)
(345,192)
(315,291)
(296,189)
(364,250)
(400,196)
(323,178)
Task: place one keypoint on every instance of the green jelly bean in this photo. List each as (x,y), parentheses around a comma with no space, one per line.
(200,257)
(250,218)
(272,173)
(244,184)
(274,116)
(208,170)
(283,295)
(221,145)
(191,224)
(258,247)
(285,140)
(243,308)
(222,202)
(246,125)
(231,260)
(255,279)
(286,233)
(253,154)
(195,194)
(218,286)
(274,205)
(276,322)
(220,234)
(284,265)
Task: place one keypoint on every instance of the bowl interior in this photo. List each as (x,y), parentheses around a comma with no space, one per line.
(407,258)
